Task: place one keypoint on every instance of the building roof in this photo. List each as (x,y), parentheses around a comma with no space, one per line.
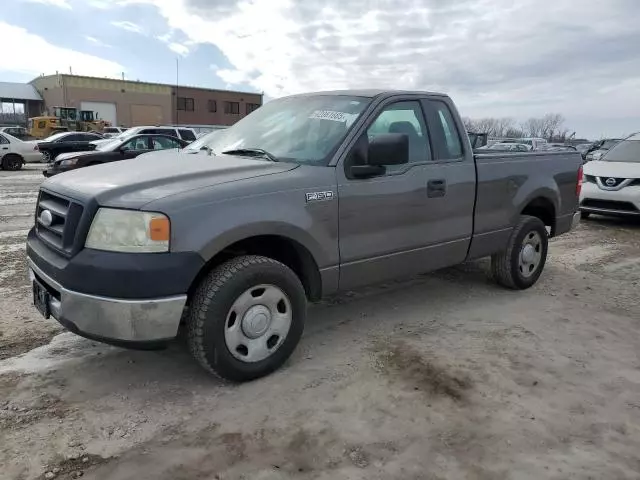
(18,91)
(128,80)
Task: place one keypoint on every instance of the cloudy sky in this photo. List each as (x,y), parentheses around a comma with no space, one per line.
(517,58)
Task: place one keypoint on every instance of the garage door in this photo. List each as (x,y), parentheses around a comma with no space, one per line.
(104,110)
(146,115)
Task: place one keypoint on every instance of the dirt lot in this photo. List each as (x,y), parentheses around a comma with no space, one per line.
(444,376)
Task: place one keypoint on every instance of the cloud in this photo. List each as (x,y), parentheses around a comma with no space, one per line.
(55,3)
(129,26)
(493,56)
(27,46)
(96,42)
(181,48)
(178,48)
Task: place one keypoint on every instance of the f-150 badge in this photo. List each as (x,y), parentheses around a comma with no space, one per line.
(319,196)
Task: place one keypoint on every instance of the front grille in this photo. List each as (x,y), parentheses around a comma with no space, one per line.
(612,181)
(609,205)
(65,217)
(635,183)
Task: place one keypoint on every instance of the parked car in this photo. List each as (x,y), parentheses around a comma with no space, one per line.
(599,148)
(64,142)
(114,151)
(110,132)
(182,133)
(235,233)
(14,152)
(559,147)
(506,147)
(612,184)
(534,143)
(18,132)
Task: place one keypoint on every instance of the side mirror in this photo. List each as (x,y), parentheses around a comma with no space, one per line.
(388,149)
(385,149)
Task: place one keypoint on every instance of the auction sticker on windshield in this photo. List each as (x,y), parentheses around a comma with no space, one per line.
(330,115)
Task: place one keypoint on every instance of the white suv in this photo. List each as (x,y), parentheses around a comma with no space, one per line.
(612,184)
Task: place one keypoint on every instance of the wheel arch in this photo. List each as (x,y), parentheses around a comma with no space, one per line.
(543,207)
(283,248)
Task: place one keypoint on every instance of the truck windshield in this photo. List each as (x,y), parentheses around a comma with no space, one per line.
(304,129)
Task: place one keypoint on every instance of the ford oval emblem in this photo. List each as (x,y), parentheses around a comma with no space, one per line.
(611,182)
(46,218)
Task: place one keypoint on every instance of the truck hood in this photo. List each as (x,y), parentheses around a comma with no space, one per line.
(612,169)
(136,182)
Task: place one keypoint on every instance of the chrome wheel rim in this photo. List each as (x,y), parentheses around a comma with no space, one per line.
(530,254)
(257,323)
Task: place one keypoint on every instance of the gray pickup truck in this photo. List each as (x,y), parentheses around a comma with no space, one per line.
(307,196)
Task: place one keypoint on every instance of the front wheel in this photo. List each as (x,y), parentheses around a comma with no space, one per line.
(246,318)
(585,215)
(520,265)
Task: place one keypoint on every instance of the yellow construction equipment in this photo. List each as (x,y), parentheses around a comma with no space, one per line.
(66,119)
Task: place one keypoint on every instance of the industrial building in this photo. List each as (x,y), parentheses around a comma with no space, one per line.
(18,102)
(131,103)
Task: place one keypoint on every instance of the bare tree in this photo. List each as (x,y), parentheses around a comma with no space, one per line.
(549,126)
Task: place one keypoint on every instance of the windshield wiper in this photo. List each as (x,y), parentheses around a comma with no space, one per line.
(258,152)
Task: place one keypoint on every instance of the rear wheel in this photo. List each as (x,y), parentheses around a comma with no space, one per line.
(46,157)
(246,318)
(12,162)
(521,264)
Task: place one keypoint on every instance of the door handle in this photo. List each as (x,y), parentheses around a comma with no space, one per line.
(437,188)
(5,148)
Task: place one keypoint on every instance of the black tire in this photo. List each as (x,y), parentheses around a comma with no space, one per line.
(211,304)
(12,162)
(585,215)
(506,267)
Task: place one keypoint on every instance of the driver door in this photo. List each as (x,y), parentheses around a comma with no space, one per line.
(384,221)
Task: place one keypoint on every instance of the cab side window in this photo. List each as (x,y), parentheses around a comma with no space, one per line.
(449,145)
(406,118)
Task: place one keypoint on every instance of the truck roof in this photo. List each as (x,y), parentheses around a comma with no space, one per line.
(371,93)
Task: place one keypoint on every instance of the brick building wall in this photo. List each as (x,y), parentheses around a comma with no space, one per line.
(199,106)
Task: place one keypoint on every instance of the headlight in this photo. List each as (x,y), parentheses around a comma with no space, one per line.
(68,162)
(129,231)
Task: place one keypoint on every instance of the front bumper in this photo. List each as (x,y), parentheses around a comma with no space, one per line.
(53,170)
(624,202)
(123,322)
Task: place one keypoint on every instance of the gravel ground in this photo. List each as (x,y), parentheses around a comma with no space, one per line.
(443,376)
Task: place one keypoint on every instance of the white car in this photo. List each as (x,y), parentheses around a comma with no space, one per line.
(612,184)
(14,153)
(110,132)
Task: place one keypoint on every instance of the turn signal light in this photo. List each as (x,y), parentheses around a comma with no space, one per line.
(159,229)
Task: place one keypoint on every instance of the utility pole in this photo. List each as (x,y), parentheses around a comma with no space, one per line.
(177,89)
